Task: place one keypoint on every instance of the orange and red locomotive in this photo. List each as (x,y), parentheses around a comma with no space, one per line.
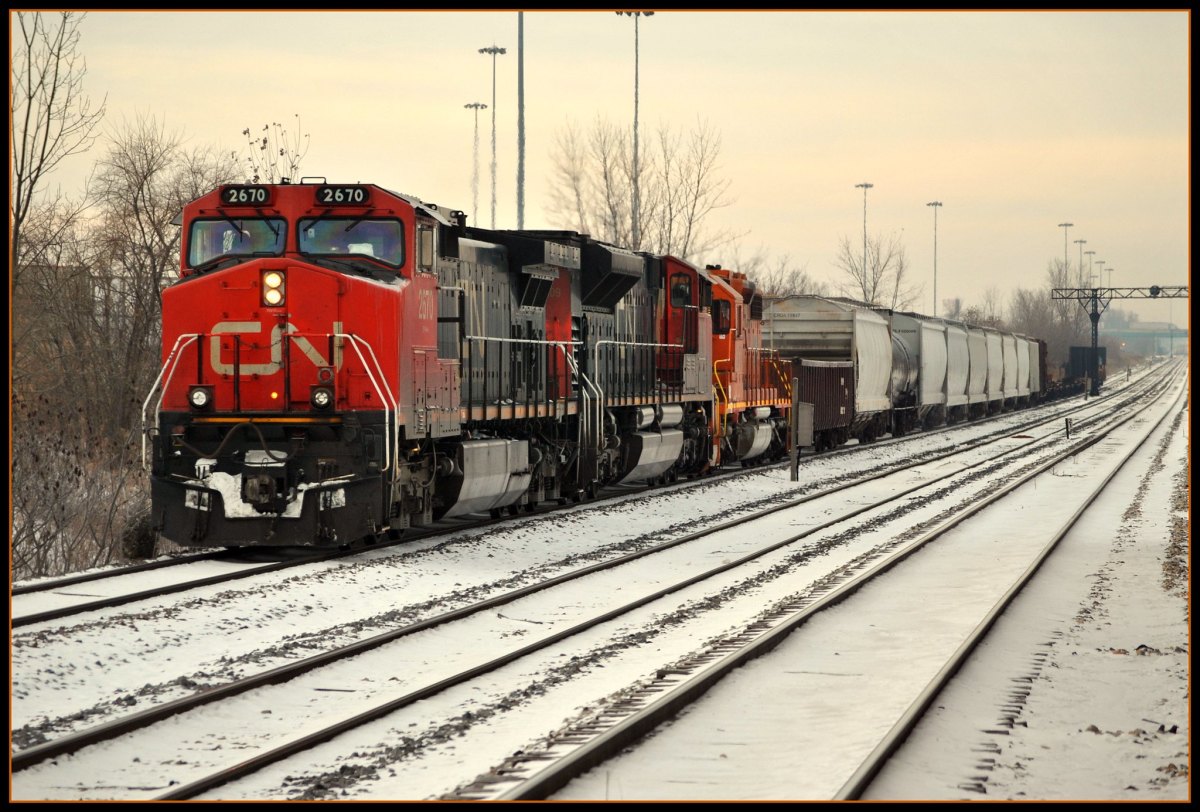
(341,362)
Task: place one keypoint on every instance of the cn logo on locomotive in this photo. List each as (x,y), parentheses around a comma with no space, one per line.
(276,364)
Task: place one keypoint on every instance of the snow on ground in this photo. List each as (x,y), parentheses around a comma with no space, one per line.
(1092,727)
(1106,631)
(60,669)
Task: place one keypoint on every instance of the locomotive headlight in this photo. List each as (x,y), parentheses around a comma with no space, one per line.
(200,397)
(272,288)
(321,397)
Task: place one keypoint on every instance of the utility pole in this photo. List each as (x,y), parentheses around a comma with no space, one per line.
(520,119)
(636,203)
(1066,227)
(864,186)
(937,204)
(493,51)
(476,106)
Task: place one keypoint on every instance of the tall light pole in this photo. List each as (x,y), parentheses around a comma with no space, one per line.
(1110,270)
(864,186)
(936,204)
(494,52)
(1066,262)
(476,106)
(1080,244)
(637,200)
(520,119)
(1100,262)
(1090,254)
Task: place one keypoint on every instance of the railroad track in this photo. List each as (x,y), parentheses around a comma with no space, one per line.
(46,601)
(432,687)
(606,749)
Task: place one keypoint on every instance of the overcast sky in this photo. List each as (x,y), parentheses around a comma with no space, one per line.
(1015,121)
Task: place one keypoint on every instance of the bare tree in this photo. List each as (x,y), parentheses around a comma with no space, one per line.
(685,189)
(903,292)
(777,276)
(274,154)
(678,179)
(570,197)
(78,489)
(52,119)
(982,316)
(1061,323)
(880,276)
(142,184)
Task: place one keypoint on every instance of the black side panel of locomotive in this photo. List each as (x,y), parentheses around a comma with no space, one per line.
(489,367)
(608,274)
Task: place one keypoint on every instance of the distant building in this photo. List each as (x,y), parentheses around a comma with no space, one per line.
(1148,338)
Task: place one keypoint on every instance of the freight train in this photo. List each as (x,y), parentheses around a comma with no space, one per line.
(909,371)
(341,362)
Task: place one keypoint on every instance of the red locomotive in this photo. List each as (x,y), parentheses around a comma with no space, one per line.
(341,362)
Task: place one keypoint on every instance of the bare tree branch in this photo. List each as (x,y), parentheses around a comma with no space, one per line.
(679,184)
(51,119)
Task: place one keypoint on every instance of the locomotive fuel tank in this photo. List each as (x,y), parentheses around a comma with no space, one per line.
(487,475)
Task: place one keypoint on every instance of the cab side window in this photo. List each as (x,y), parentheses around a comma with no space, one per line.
(425,248)
(722,316)
(681,290)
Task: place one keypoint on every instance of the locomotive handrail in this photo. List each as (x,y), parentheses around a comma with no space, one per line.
(562,345)
(389,403)
(173,361)
(721,397)
(588,383)
(596,366)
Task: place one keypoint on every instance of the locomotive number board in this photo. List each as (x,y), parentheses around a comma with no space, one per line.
(246,195)
(343,196)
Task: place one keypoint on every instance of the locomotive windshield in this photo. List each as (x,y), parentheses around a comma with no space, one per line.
(211,240)
(379,239)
